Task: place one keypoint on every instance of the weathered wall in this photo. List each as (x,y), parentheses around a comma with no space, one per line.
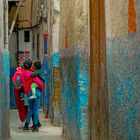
(56,27)
(56,118)
(56,115)
(49,54)
(50,9)
(74,66)
(13,48)
(35,32)
(123,51)
(30,13)
(40,30)
(25,14)
(13,64)
(5,93)
(4,73)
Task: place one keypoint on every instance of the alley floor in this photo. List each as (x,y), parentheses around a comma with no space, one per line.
(46,132)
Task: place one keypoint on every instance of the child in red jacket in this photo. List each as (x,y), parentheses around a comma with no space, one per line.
(18,92)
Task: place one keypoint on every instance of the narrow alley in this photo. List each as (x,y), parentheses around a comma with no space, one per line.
(71,67)
(46,132)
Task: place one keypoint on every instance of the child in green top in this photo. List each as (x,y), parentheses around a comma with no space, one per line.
(39,74)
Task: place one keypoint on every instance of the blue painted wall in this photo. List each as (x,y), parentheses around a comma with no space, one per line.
(4,95)
(74,92)
(124,87)
(12,97)
(50,84)
(45,70)
(52,62)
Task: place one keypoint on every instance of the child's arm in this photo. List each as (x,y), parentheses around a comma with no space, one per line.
(42,77)
(36,73)
(39,74)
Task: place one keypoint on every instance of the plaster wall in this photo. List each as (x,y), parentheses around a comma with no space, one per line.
(74,67)
(4,72)
(13,49)
(25,14)
(56,27)
(123,53)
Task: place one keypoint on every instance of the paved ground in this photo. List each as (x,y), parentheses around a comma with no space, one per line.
(46,132)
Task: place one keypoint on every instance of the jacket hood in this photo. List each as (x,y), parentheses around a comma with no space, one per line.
(19,69)
(18,72)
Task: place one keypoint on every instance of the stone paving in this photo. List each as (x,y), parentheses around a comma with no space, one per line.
(46,132)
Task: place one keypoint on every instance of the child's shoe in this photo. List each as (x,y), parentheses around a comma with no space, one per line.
(39,124)
(32,97)
(32,127)
(35,128)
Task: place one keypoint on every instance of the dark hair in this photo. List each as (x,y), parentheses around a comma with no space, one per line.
(27,64)
(37,65)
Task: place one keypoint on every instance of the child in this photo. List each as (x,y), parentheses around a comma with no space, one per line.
(18,92)
(39,74)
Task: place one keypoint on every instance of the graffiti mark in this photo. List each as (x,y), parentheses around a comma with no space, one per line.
(66,38)
(131,17)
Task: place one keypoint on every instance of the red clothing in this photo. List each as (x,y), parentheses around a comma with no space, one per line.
(22,109)
(19,70)
(27,81)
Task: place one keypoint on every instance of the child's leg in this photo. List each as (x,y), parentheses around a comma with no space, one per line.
(33,91)
(33,88)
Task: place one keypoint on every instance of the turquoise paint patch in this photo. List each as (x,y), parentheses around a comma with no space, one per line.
(12,96)
(124,81)
(74,92)
(55,60)
(6,80)
(82,94)
(45,70)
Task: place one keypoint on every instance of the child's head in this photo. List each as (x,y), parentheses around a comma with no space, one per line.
(27,64)
(37,65)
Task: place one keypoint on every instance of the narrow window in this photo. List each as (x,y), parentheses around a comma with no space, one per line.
(33,43)
(38,43)
(26,36)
